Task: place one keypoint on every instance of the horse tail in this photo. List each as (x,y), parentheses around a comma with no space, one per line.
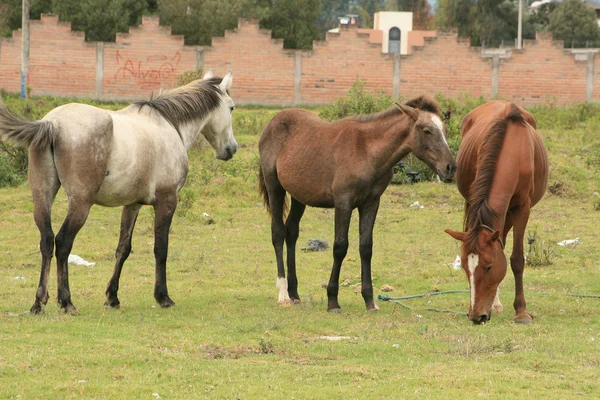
(262,187)
(37,134)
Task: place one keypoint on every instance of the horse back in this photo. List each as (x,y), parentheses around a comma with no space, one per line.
(81,147)
(520,146)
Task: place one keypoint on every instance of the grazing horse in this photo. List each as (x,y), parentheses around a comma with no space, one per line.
(502,173)
(345,164)
(131,157)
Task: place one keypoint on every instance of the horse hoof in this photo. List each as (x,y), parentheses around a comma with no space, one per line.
(114,304)
(70,309)
(296,301)
(525,318)
(373,308)
(166,303)
(336,310)
(285,303)
(37,309)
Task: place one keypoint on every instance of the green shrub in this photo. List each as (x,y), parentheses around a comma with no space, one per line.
(190,76)
(539,252)
(251,122)
(359,101)
(548,116)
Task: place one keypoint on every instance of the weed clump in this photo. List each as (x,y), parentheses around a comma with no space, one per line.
(539,253)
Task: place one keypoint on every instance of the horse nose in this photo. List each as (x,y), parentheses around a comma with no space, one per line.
(450,169)
(482,319)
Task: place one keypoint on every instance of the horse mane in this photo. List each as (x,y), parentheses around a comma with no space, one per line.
(424,103)
(477,208)
(186,103)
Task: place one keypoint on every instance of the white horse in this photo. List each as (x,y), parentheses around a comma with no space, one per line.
(130,157)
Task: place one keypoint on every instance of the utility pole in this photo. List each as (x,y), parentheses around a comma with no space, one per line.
(520,32)
(25,49)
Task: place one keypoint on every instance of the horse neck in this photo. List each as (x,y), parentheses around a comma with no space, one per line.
(390,142)
(190,132)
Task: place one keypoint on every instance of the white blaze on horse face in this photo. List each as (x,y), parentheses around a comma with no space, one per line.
(440,125)
(473,260)
(282,287)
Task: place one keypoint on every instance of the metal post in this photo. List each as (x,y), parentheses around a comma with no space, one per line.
(520,29)
(25,49)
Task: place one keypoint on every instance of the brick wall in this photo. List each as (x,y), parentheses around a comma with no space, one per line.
(329,70)
(542,72)
(149,58)
(263,72)
(448,65)
(145,60)
(10,63)
(60,61)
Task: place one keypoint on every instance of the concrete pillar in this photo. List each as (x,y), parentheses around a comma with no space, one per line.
(298,78)
(99,69)
(590,77)
(495,72)
(25,48)
(396,76)
(200,57)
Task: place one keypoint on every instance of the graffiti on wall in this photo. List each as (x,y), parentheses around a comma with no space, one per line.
(154,70)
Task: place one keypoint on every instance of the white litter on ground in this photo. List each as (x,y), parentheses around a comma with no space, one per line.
(417,204)
(569,242)
(456,263)
(336,338)
(19,278)
(75,259)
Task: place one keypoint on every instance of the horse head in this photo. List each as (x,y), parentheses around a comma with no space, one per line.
(483,260)
(218,130)
(427,137)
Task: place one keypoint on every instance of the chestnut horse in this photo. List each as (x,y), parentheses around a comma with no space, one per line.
(502,173)
(130,157)
(345,164)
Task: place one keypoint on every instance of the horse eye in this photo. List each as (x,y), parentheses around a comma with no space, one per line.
(232,108)
(488,268)
(427,131)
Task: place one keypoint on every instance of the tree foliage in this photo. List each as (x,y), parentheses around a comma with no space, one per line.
(422,18)
(486,22)
(295,21)
(575,22)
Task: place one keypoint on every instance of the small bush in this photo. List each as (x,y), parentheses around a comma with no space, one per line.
(550,117)
(359,101)
(251,122)
(539,253)
(190,76)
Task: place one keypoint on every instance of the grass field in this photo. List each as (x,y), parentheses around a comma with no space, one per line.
(228,338)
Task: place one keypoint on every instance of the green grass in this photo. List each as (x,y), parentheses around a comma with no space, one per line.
(228,338)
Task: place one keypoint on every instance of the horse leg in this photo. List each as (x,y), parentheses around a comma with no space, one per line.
(44,185)
(128,218)
(76,217)
(278,233)
(292,226)
(367,214)
(508,224)
(340,248)
(164,209)
(517,263)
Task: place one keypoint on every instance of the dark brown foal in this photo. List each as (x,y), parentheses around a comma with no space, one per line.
(344,165)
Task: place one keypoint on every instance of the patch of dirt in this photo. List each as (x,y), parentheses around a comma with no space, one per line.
(560,189)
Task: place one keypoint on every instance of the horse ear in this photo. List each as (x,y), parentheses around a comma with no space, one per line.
(208,74)
(226,82)
(495,236)
(408,110)
(456,235)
